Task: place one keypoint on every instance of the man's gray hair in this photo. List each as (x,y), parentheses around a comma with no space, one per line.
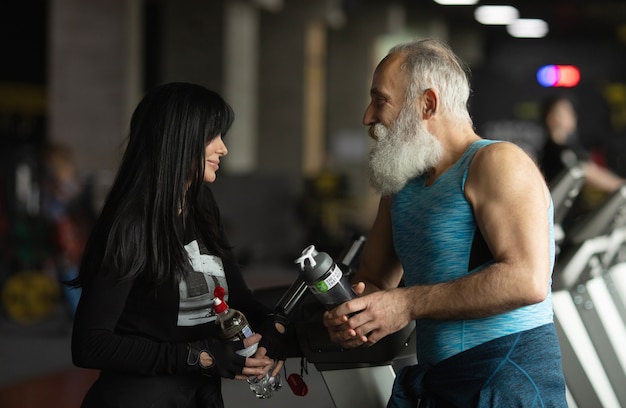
(431,64)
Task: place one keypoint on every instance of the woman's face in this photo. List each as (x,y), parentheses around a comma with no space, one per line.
(215,149)
(562,121)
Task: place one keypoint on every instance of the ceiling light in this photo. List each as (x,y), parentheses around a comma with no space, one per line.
(456,2)
(496,15)
(528,28)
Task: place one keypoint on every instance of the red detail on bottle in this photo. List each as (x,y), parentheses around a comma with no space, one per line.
(219,292)
(219,305)
(297,385)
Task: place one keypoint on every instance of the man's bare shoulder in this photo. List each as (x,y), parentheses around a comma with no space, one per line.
(503,156)
(502,166)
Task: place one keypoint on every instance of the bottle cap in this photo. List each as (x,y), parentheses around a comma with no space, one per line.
(219,292)
(309,254)
(314,264)
(219,305)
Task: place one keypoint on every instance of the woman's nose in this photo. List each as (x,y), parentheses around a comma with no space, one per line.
(222,150)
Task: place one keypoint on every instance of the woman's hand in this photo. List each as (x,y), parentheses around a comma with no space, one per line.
(257,365)
(274,343)
(275,366)
(213,356)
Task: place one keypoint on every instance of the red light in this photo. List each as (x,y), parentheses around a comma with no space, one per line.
(569,76)
(565,76)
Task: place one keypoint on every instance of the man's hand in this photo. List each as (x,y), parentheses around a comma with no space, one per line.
(372,317)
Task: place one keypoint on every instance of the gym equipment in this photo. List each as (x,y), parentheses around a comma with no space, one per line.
(588,301)
(566,188)
(587,381)
(593,243)
(611,214)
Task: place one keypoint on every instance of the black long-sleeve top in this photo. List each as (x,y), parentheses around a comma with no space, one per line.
(130,327)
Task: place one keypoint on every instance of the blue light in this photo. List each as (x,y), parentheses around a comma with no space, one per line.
(548,76)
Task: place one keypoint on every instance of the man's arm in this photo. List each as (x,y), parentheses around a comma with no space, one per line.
(510,202)
(379,267)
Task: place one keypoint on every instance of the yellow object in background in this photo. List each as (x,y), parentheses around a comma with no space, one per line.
(30,296)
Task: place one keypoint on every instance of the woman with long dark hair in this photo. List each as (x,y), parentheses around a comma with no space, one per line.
(153,259)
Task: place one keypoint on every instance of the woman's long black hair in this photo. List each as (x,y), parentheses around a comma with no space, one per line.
(159,180)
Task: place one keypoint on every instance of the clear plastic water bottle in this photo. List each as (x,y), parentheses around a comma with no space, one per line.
(324,278)
(234,326)
(265,387)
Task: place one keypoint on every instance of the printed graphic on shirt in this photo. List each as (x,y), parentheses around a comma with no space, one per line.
(196,292)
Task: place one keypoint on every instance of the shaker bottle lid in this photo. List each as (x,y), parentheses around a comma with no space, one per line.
(314,264)
(309,253)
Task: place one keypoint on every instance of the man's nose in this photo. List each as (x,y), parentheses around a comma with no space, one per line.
(369,118)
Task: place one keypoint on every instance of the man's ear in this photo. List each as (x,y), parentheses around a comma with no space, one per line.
(430,102)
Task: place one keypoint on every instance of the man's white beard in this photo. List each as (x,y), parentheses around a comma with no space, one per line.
(403,151)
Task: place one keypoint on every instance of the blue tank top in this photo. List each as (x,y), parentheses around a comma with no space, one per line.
(433,232)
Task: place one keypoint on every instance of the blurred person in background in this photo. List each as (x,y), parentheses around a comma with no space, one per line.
(157,252)
(67,206)
(466,224)
(564,149)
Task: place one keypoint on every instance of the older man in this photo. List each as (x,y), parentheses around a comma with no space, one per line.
(466,224)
